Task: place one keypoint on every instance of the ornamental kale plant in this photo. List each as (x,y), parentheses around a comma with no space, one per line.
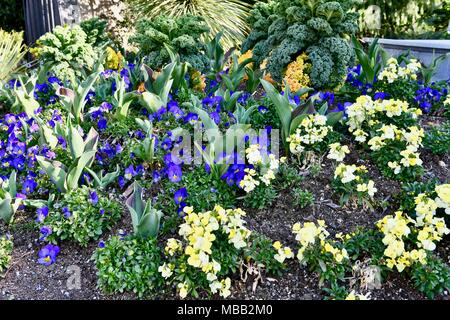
(96,32)
(79,216)
(284,29)
(65,52)
(182,35)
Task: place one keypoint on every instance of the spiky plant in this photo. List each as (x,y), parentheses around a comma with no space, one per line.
(229,16)
(12,51)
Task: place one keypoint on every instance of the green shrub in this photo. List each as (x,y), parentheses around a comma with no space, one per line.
(261,251)
(205,192)
(129,264)
(65,52)
(77,217)
(288,177)
(432,278)
(227,16)
(437,139)
(96,32)
(182,34)
(302,198)
(262,197)
(283,29)
(6,247)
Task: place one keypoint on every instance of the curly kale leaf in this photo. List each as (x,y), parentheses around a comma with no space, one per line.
(283,29)
(182,34)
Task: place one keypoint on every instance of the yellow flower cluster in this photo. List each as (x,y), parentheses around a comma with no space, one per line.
(338,254)
(443,198)
(310,234)
(429,229)
(394,71)
(198,81)
(267,164)
(283,253)
(245,56)
(349,173)
(198,231)
(114,60)
(338,152)
(365,110)
(313,129)
(395,228)
(447,100)
(297,73)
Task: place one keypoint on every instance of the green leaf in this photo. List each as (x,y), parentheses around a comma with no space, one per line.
(75,173)
(6,210)
(282,106)
(151,101)
(76,142)
(334,117)
(56,173)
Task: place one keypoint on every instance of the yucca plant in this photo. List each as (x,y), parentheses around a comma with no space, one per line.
(12,51)
(229,16)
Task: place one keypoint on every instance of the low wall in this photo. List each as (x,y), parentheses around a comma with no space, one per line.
(424,50)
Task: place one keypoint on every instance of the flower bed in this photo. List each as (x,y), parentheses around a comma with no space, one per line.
(166,173)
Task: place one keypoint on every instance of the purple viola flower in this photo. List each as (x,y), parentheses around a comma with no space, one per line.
(215,116)
(102,124)
(166,144)
(101,244)
(48,254)
(28,186)
(66,212)
(105,107)
(102,212)
(130,172)
(50,154)
(262,109)
(180,195)
(121,181)
(62,142)
(54,80)
(45,232)
(156,175)
(41,87)
(380,96)
(94,197)
(191,118)
(42,213)
(139,134)
(174,173)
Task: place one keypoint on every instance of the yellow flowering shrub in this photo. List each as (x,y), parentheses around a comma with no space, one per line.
(265,167)
(198,81)
(195,261)
(352,182)
(420,235)
(297,73)
(393,71)
(389,129)
(114,60)
(310,135)
(313,243)
(337,152)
